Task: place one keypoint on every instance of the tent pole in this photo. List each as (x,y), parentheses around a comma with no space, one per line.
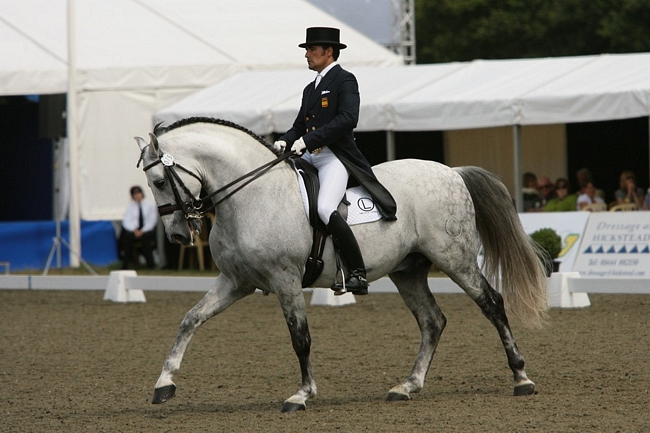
(390,145)
(519,197)
(71,111)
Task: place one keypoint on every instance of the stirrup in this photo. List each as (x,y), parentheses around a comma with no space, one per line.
(339,288)
(355,284)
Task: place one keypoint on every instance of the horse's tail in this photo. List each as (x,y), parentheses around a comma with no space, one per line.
(509,253)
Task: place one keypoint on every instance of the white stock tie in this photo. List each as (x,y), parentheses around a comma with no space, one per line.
(318,78)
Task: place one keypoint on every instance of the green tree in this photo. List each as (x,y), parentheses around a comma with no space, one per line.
(462,30)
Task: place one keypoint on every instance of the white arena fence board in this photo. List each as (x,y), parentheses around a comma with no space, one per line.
(33,282)
(203,284)
(627,286)
(180,284)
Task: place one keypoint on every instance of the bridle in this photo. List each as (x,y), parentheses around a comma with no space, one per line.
(195,208)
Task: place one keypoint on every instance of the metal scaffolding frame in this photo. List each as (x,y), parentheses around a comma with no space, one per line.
(403,29)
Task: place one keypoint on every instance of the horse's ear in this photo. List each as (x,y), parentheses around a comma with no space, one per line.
(141,143)
(157,128)
(155,148)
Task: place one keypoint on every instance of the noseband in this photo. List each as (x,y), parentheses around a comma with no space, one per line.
(195,208)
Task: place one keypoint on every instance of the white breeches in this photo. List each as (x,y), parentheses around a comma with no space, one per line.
(333,177)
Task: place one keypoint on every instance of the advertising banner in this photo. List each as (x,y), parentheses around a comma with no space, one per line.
(615,245)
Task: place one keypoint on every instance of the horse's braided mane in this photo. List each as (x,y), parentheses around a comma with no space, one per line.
(160,130)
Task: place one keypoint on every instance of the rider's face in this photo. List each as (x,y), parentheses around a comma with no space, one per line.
(318,57)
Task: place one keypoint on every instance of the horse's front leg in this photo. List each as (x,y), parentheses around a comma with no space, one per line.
(295,313)
(220,297)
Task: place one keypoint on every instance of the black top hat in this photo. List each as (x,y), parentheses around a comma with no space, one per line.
(323,36)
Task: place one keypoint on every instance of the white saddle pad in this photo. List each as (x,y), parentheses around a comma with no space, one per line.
(362,207)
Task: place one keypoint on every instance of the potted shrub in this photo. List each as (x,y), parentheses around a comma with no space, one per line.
(550,245)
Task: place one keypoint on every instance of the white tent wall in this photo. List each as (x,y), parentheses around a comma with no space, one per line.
(130,43)
(606,87)
(109,154)
(28,62)
(233,99)
(481,93)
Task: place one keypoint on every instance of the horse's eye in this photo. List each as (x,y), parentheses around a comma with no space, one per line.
(159,183)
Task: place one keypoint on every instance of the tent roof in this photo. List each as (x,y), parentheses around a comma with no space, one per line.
(482,93)
(159,43)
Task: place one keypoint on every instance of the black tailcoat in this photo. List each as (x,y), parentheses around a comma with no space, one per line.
(328,115)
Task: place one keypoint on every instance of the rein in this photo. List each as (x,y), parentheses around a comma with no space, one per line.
(194,208)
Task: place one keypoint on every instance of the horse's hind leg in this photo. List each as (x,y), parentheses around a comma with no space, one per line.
(491,304)
(411,281)
(220,297)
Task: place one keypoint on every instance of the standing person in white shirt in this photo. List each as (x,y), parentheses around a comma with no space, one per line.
(139,224)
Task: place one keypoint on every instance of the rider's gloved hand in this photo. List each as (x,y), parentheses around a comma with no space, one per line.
(299,147)
(279,146)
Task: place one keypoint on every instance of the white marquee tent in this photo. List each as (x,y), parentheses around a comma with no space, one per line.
(481,93)
(134,57)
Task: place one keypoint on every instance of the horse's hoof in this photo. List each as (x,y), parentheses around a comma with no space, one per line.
(525,389)
(161,395)
(396,396)
(289,407)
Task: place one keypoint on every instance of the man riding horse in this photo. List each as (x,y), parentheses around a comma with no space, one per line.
(322,135)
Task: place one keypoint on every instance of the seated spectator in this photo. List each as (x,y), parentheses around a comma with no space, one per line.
(563,202)
(533,200)
(583,176)
(139,224)
(546,189)
(628,191)
(588,196)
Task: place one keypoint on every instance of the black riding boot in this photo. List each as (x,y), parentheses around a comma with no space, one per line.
(350,254)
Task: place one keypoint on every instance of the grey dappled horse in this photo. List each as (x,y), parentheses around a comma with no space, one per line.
(261,239)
